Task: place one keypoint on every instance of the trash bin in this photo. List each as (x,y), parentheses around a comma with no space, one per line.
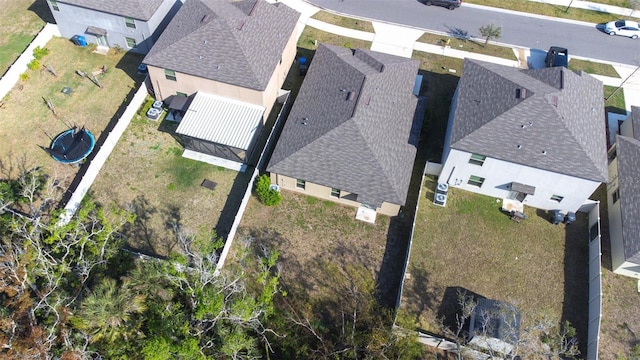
(303,66)
(79,40)
(556,217)
(570,218)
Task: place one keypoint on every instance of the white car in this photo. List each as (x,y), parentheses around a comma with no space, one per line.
(623,27)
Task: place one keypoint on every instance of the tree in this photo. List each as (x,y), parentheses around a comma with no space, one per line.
(107,313)
(490,31)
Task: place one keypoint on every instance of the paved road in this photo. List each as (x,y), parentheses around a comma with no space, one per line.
(526,31)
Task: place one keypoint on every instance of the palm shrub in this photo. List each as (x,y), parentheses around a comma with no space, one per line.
(267,196)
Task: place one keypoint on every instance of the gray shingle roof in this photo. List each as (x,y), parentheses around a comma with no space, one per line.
(137,9)
(635,121)
(557,124)
(362,145)
(628,153)
(236,42)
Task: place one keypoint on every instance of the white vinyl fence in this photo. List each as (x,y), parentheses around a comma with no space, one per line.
(595,283)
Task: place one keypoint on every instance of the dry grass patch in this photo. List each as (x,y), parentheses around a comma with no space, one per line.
(147,174)
(347,22)
(310,34)
(28,124)
(537,266)
(468,45)
(309,232)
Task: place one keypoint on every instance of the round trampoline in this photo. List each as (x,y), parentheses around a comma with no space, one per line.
(72,146)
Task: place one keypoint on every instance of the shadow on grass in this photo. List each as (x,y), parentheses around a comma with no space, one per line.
(450,307)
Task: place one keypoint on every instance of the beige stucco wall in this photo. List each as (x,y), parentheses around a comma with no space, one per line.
(190,84)
(324,192)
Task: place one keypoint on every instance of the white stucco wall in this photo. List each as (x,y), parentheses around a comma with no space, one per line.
(500,174)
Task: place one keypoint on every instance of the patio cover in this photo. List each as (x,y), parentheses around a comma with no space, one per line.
(221,120)
(178,102)
(92,30)
(527,189)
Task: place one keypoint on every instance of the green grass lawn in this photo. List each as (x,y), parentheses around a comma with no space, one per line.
(470,244)
(615,102)
(351,23)
(592,67)
(20,24)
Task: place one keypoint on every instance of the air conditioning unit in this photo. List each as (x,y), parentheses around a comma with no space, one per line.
(442,188)
(440,199)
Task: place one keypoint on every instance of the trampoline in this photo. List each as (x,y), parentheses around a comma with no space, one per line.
(72,146)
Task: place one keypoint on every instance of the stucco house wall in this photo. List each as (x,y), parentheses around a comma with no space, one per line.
(73,20)
(324,192)
(188,84)
(500,174)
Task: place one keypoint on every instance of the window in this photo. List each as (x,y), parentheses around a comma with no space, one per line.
(130,22)
(477,159)
(178,93)
(335,192)
(54,5)
(170,75)
(475,181)
(300,184)
(131,42)
(557,198)
(616,195)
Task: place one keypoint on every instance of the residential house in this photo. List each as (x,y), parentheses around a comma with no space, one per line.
(623,198)
(241,50)
(133,25)
(533,136)
(494,326)
(351,135)
(232,57)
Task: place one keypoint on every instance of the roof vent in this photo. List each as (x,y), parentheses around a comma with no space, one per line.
(544,152)
(204,18)
(304,120)
(519,146)
(554,100)
(351,96)
(521,93)
(367,100)
(240,25)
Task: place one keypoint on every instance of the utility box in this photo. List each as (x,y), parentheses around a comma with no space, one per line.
(556,217)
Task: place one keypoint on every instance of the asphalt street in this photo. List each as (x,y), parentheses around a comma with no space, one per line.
(520,30)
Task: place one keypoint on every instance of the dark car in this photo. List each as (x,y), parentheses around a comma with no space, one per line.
(449,4)
(557,56)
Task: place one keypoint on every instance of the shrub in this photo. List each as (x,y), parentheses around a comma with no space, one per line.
(24,76)
(267,196)
(34,64)
(39,52)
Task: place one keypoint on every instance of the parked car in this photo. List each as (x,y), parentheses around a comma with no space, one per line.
(557,56)
(449,4)
(623,27)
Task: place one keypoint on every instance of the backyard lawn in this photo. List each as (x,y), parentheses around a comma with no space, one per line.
(28,124)
(20,20)
(469,244)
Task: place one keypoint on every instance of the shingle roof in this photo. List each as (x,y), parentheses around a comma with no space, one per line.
(635,121)
(137,9)
(628,153)
(351,124)
(236,42)
(550,119)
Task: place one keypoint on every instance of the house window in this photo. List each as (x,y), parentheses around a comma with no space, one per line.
(557,198)
(301,184)
(477,159)
(476,181)
(170,75)
(335,192)
(54,5)
(178,93)
(130,22)
(131,42)
(616,195)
